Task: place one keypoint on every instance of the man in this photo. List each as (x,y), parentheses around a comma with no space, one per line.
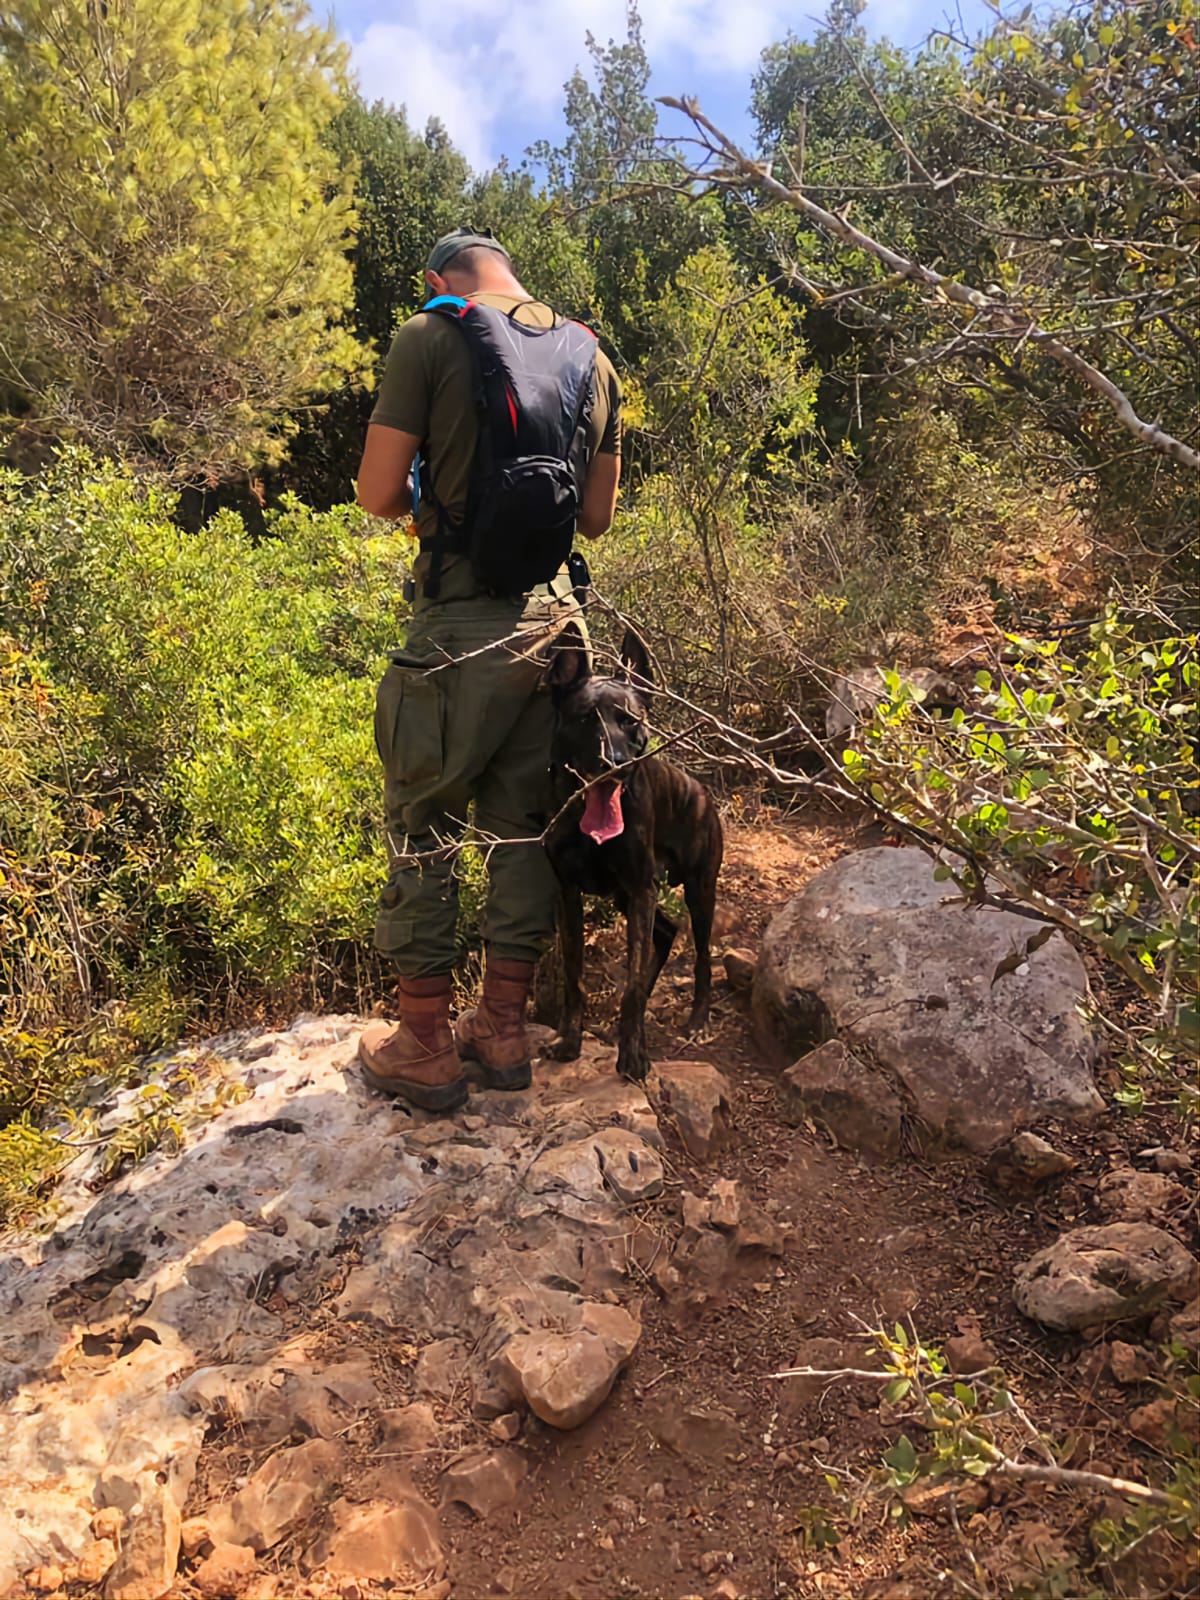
(477,727)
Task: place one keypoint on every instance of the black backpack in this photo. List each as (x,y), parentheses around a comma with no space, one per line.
(534,390)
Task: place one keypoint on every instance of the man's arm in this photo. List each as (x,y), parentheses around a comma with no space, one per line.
(384,486)
(600,495)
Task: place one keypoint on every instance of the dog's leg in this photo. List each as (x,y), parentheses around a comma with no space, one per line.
(700,892)
(664,940)
(570,945)
(633,1060)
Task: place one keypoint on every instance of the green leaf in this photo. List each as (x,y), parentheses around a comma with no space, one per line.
(902,1456)
(896,1390)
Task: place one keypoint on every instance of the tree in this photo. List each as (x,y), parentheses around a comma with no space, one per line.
(173,228)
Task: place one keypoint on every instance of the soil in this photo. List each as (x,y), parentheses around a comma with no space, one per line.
(704,1474)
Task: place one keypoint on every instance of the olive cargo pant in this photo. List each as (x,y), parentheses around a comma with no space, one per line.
(463,714)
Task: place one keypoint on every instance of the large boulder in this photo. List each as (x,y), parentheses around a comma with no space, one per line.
(947,1007)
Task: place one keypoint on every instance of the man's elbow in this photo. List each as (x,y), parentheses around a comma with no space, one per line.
(595,524)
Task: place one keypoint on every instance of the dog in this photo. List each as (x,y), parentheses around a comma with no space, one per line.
(624,821)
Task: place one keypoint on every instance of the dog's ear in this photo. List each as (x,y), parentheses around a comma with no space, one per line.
(635,658)
(569,664)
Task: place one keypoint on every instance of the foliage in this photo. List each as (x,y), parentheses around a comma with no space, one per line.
(1071,787)
(173,232)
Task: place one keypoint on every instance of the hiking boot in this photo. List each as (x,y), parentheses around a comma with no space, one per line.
(415,1059)
(494,1035)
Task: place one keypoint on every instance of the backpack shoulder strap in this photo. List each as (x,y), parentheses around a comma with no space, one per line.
(448,534)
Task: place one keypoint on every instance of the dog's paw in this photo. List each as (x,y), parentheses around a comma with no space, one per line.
(566,1047)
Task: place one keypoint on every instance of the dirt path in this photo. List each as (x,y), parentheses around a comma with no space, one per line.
(703,1475)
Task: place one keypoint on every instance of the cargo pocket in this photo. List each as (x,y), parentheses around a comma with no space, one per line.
(409,712)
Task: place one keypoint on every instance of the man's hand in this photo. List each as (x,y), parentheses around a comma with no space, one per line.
(599,496)
(384,487)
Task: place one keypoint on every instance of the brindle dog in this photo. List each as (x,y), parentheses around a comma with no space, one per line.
(625,820)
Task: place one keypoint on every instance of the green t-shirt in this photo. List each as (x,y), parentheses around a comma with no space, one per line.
(426,391)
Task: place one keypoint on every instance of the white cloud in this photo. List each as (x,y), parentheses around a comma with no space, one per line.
(507,60)
(486,66)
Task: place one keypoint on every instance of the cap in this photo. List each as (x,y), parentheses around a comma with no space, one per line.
(449,245)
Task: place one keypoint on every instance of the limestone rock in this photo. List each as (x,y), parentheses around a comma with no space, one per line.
(441,1368)
(1026,1163)
(486,1481)
(852,1098)
(740,966)
(969,1352)
(280,1496)
(145,1568)
(725,1204)
(1127,1195)
(698,1098)
(223,1573)
(1155,1423)
(1129,1364)
(976,1046)
(394,1542)
(565,1377)
(96,1562)
(1092,1276)
(631,1169)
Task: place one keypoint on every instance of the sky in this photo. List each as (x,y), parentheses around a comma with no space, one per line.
(494,70)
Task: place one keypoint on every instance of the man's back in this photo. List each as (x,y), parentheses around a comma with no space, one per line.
(427,391)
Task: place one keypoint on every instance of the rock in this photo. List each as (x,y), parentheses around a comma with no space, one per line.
(698,1098)
(44,1580)
(486,1481)
(108,1523)
(408,1430)
(565,1377)
(96,1562)
(656,1493)
(381,1542)
(727,1590)
(194,1534)
(856,693)
(1127,1195)
(1154,1424)
(1127,1363)
(710,1561)
(506,1428)
(926,991)
(848,1095)
(630,1168)
(740,967)
(1025,1163)
(145,1567)
(969,1352)
(1184,1330)
(225,1572)
(280,1496)
(1170,1161)
(725,1204)
(1092,1276)
(441,1368)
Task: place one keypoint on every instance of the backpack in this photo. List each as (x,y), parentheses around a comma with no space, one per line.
(533,390)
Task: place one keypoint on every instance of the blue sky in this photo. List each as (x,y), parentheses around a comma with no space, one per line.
(493,70)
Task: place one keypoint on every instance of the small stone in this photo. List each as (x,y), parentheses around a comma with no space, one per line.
(222,1574)
(1128,1195)
(350,1590)
(506,1428)
(698,1097)
(656,1493)
(506,1580)
(393,1542)
(725,1204)
(486,1481)
(279,1497)
(565,1377)
(1169,1161)
(1153,1424)
(108,1523)
(1127,1363)
(713,1561)
(96,1562)
(727,1590)
(194,1534)
(441,1368)
(740,967)
(969,1352)
(1026,1162)
(44,1580)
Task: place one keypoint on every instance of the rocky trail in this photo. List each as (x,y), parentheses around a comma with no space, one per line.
(326,1348)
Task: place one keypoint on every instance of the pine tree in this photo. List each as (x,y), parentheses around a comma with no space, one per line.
(173,228)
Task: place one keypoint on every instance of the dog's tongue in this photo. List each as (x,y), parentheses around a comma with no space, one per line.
(602,819)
